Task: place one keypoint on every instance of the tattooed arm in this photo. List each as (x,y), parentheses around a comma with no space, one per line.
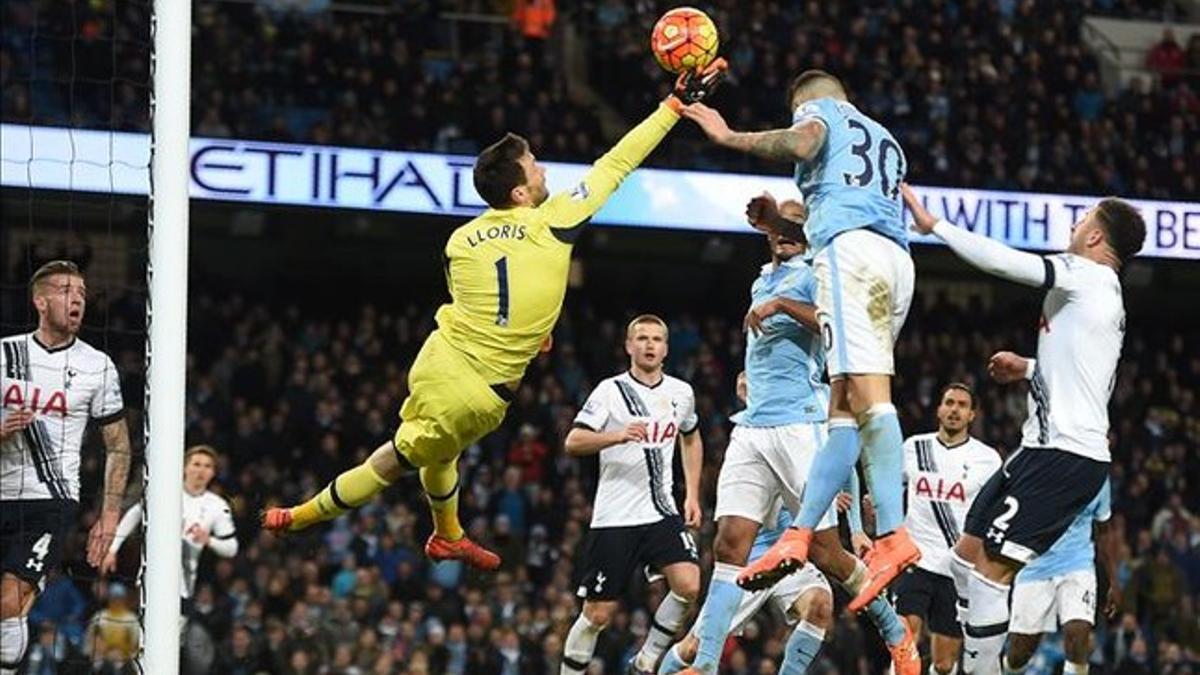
(797,144)
(116,474)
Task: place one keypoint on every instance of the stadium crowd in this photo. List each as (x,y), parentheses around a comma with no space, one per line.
(1000,95)
(291,396)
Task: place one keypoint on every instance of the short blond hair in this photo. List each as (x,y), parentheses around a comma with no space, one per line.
(813,84)
(50,269)
(793,210)
(202,449)
(646,318)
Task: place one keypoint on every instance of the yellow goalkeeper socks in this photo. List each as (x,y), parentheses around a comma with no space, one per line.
(348,491)
(441,489)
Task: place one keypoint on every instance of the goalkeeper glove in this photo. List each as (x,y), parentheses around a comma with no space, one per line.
(694,86)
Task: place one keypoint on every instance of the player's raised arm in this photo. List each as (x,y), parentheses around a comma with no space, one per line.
(798,143)
(571,207)
(1110,234)
(985,253)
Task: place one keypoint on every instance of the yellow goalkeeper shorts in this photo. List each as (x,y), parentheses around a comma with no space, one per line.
(449,405)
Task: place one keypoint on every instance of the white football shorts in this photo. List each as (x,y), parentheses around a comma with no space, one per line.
(764,464)
(864,289)
(1044,605)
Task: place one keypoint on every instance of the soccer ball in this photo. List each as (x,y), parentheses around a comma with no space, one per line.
(684,39)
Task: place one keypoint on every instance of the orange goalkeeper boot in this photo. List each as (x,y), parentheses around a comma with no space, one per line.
(788,554)
(440,548)
(276,520)
(890,556)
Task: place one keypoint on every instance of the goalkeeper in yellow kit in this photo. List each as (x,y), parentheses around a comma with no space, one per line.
(507,273)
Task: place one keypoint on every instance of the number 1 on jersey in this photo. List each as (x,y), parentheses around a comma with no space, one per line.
(502,281)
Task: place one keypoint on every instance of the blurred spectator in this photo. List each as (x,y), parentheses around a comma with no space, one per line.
(1156,587)
(242,656)
(534,18)
(528,454)
(511,503)
(44,655)
(1192,61)
(115,632)
(1167,58)
(1137,661)
(64,607)
(1171,518)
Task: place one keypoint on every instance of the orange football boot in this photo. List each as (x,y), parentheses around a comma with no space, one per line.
(440,548)
(906,660)
(788,554)
(276,520)
(890,556)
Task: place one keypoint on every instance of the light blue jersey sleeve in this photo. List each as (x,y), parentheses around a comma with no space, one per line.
(853,182)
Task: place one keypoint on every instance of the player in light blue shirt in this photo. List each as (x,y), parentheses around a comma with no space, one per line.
(854,180)
(770,452)
(849,169)
(1059,589)
(783,356)
(1076,548)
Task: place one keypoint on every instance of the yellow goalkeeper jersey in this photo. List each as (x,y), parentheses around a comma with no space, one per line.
(507,269)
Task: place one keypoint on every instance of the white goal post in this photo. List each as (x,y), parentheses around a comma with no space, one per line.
(166,318)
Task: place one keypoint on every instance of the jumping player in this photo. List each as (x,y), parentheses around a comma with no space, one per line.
(507,275)
(770,454)
(1024,508)
(849,169)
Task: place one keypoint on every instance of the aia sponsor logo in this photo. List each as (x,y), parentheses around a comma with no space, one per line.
(658,433)
(25,396)
(941,490)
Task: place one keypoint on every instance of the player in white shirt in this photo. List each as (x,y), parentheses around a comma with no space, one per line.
(207,520)
(943,471)
(633,421)
(53,385)
(1064,455)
